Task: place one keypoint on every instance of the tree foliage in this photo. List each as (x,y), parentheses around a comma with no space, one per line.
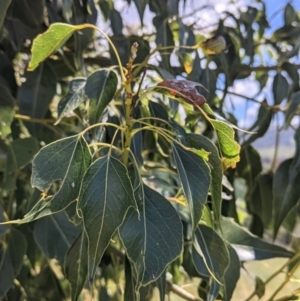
(119,153)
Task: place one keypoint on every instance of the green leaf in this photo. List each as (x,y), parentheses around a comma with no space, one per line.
(141,5)
(201,142)
(261,125)
(186,37)
(17,246)
(65,160)
(116,22)
(54,234)
(250,165)
(249,246)
(36,93)
(195,178)
(293,106)
(212,249)
(73,99)
(285,190)
(6,118)
(50,41)
(152,238)
(105,196)
(4,6)
(3,228)
(232,273)
(163,38)
(76,265)
(280,88)
(100,88)
(229,147)
(22,152)
(6,271)
(261,198)
(290,15)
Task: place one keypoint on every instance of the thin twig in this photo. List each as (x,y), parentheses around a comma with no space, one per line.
(174,288)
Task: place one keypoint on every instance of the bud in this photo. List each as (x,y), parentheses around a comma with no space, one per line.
(214,45)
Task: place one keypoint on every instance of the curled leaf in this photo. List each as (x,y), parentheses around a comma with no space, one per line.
(183,89)
(214,45)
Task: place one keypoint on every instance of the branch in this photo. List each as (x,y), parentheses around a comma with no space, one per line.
(174,288)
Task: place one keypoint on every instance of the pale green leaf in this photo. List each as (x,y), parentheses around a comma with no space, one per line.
(50,41)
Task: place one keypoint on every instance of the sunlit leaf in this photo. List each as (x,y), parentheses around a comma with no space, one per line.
(229,147)
(100,88)
(73,99)
(105,196)
(65,160)
(156,232)
(76,265)
(50,41)
(195,178)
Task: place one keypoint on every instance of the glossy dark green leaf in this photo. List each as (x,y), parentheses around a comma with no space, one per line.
(292,71)
(157,110)
(286,189)
(232,273)
(4,6)
(141,5)
(17,246)
(249,246)
(23,151)
(195,178)
(6,271)
(36,93)
(250,165)
(201,142)
(292,109)
(261,198)
(100,88)
(54,234)
(164,38)
(76,265)
(280,88)
(213,250)
(116,22)
(3,228)
(72,99)
(153,237)
(213,291)
(290,15)
(186,37)
(261,125)
(105,196)
(161,284)
(130,283)
(64,160)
